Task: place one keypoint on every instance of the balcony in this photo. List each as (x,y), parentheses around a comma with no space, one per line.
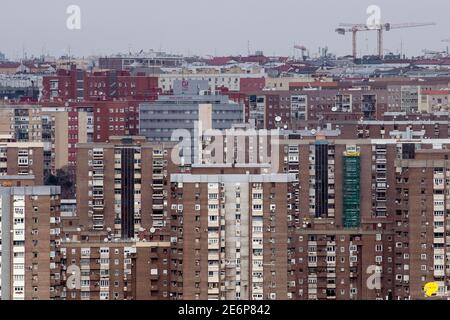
(98,205)
(158,196)
(213,245)
(257,213)
(98,195)
(439,229)
(214,223)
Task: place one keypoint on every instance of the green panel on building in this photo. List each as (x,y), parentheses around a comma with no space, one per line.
(351,191)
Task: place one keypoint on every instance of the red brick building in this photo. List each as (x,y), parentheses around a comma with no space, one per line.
(75,84)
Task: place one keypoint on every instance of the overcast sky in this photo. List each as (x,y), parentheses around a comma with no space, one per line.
(218,27)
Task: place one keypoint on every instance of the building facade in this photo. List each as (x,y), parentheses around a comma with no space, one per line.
(30,266)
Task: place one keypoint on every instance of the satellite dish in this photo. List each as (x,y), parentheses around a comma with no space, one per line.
(313,131)
(334,109)
(152,230)
(278,119)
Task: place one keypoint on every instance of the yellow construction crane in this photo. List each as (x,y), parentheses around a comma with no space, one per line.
(380,28)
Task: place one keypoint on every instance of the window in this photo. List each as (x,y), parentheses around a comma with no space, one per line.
(104,283)
(104,295)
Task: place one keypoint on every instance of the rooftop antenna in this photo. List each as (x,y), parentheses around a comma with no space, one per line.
(367,45)
(42,52)
(248,48)
(23,53)
(293,51)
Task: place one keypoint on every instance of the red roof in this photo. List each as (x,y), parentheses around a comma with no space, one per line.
(9,65)
(219,61)
(314,84)
(436,92)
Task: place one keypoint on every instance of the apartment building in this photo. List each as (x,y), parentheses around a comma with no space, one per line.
(22,122)
(291,83)
(290,104)
(36,124)
(120,186)
(422,218)
(55,136)
(142,60)
(61,125)
(231,81)
(190,103)
(404,98)
(434,100)
(393,125)
(21,159)
(289,108)
(29,242)
(340,219)
(335,238)
(405,94)
(367,216)
(99,270)
(86,122)
(21,86)
(234,223)
(80,85)
(17,180)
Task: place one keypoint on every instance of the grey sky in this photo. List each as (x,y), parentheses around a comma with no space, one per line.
(212,26)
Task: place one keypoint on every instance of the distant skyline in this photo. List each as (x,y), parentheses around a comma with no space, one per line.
(212,27)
